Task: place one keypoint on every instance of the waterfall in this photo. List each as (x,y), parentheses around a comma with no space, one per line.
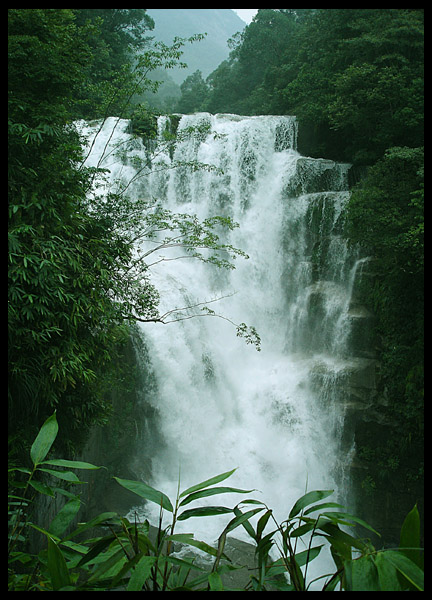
(276,414)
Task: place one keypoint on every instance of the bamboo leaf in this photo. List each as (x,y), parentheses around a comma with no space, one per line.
(141,573)
(202,546)
(410,537)
(64,475)
(65,516)
(204,511)
(263,522)
(322,506)
(342,517)
(108,564)
(342,541)
(302,530)
(207,483)
(307,556)
(211,492)
(96,549)
(387,574)
(103,517)
(215,582)
(308,499)
(241,519)
(45,532)
(44,440)
(72,464)
(362,575)
(57,566)
(247,526)
(407,568)
(145,491)
(42,488)
(187,538)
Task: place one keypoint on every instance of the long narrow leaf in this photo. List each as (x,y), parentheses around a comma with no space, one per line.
(72,464)
(340,539)
(204,511)
(361,575)
(44,440)
(141,573)
(410,537)
(308,499)
(42,488)
(241,519)
(98,520)
(57,566)
(212,492)
(342,516)
(247,526)
(44,531)
(387,574)
(65,517)
(307,556)
(207,483)
(187,538)
(215,582)
(109,563)
(407,568)
(96,549)
(145,491)
(262,523)
(322,506)
(64,475)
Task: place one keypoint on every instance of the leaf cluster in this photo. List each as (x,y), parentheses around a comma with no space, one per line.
(127,557)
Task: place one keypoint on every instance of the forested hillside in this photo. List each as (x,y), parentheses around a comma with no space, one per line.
(218,25)
(215,25)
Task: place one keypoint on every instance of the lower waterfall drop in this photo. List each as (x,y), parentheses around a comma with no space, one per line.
(276,414)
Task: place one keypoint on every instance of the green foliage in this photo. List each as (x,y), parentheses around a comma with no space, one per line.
(353,77)
(386,216)
(128,558)
(194,91)
(113,36)
(75,285)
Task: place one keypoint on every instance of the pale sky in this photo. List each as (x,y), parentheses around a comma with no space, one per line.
(246,13)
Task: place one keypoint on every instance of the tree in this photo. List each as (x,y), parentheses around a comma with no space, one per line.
(353,77)
(194,92)
(259,49)
(114,36)
(50,338)
(123,31)
(75,282)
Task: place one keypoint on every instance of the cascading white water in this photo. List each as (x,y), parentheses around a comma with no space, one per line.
(221,404)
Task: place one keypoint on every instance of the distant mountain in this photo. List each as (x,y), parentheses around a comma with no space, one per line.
(218,23)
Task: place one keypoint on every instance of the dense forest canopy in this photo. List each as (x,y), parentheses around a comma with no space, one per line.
(354,79)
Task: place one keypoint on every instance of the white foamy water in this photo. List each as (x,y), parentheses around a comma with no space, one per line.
(220,403)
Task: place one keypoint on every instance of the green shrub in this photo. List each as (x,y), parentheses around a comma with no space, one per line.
(126,557)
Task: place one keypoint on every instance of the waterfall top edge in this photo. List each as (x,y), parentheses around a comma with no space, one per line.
(232,116)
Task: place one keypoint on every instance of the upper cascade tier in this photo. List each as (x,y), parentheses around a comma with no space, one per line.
(237,148)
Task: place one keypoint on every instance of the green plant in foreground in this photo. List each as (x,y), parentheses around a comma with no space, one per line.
(128,557)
